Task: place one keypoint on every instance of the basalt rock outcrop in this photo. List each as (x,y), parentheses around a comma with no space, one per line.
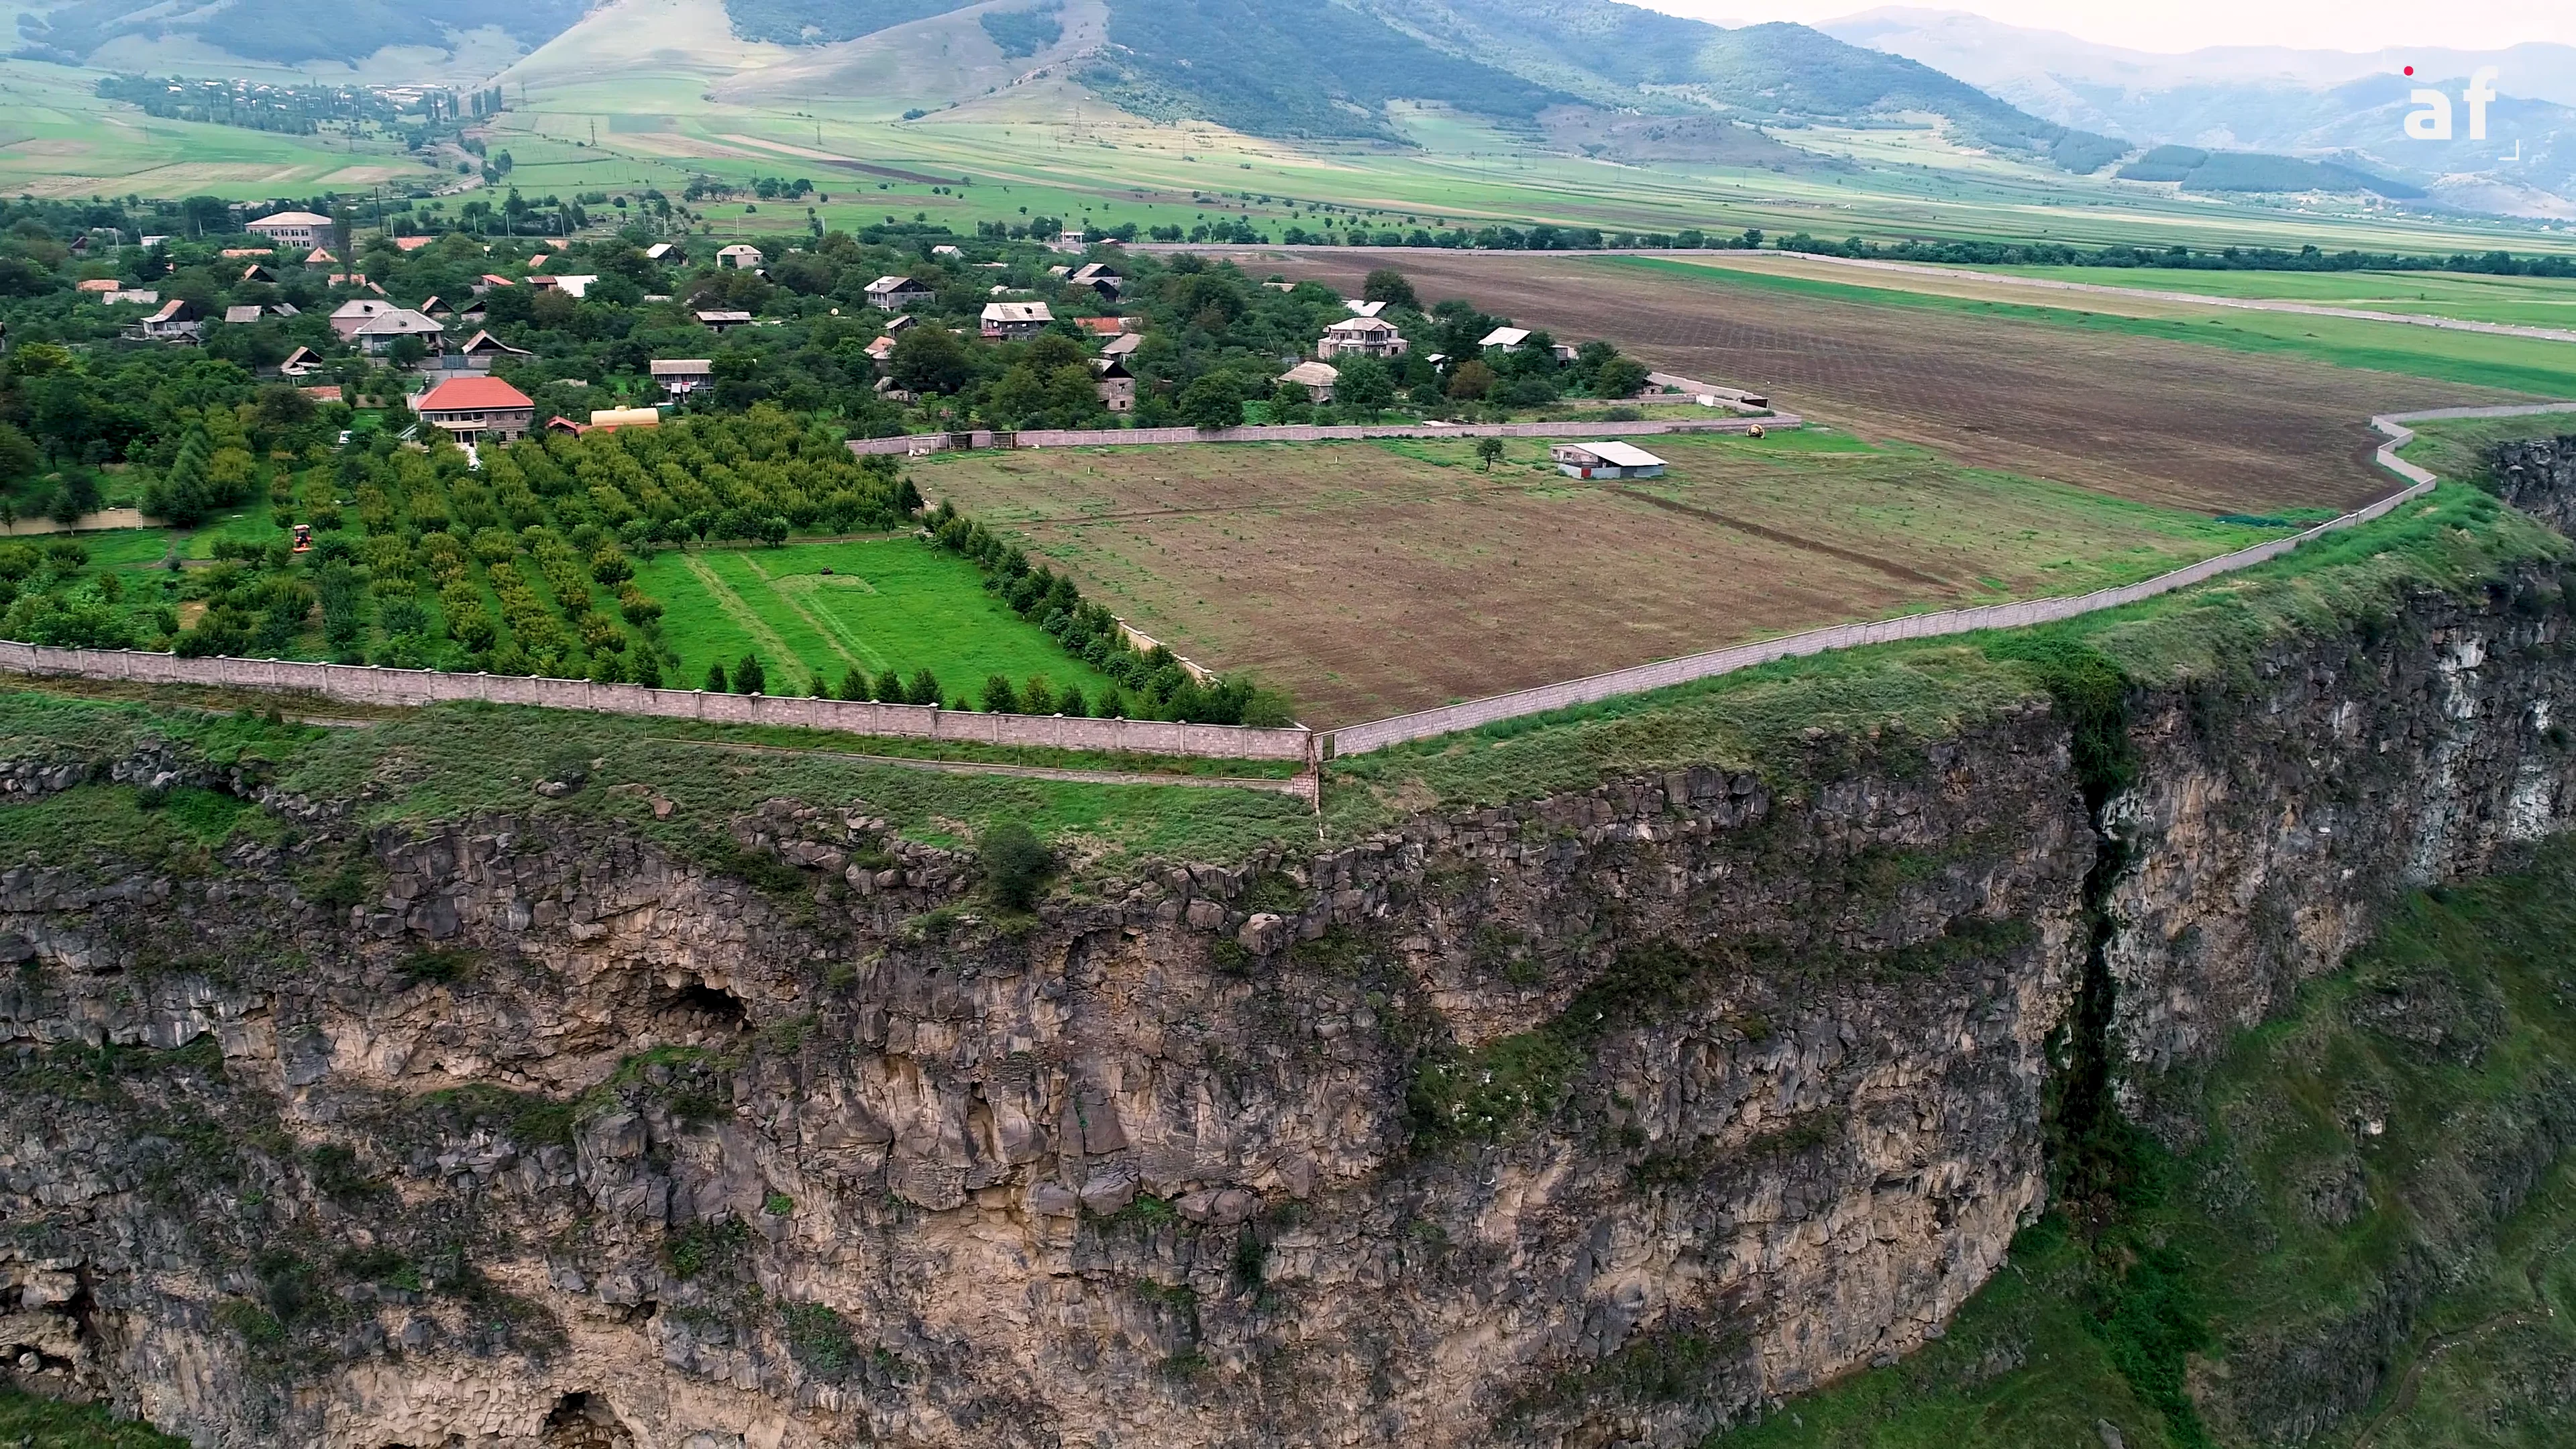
(1599,1119)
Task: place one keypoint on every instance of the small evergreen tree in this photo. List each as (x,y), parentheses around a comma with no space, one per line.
(890,687)
(1037,696)
(716,679)
(999,697)
(1112,705)
(1071,704)
(748,677)
(924,688)
(854,683)
(1016,864)
(648,670)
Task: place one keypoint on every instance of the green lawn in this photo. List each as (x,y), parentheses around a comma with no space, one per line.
(884,603)
(2521,364)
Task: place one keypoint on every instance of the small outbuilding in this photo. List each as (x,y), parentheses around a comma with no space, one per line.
(1605,460)
(1317,378)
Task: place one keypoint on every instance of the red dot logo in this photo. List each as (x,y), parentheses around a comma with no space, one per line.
(2410,70)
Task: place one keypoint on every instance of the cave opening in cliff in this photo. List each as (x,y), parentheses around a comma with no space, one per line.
(583,1420)
(699,1012)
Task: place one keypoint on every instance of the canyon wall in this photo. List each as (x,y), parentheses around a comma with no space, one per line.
(1600,1119)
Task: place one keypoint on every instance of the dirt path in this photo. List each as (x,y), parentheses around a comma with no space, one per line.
(732,606)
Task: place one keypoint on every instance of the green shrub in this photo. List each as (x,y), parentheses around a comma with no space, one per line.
(1016,864)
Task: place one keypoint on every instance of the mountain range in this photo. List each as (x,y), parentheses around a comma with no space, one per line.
(2340,106)
(1611,80)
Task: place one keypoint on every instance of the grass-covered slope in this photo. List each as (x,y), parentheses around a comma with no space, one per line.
(1289,68)
(1768,72)
(285,33)
(820,22)
(2375,1243)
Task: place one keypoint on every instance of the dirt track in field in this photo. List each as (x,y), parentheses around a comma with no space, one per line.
(2176,423)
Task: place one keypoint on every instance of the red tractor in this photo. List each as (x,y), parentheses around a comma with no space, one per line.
(303,537)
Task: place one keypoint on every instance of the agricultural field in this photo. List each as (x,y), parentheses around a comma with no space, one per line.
(2521,301)
(2130,409)
(1371,578)
(57,138)
(2541,365)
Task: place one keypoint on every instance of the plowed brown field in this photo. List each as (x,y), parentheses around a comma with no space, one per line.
(2179,423)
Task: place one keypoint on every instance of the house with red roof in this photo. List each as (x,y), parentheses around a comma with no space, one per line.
(475,409)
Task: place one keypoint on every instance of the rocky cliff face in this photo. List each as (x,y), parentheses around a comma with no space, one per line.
(2538,476)
(1592,1121)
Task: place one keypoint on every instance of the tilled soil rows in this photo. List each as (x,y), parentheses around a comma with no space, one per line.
(2169,422)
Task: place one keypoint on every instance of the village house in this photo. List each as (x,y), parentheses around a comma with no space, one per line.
(300,362)
(320,258)
(1505,338)
(134,296)
(236,316)
(881,352)
(945,250)
(1123,345)
(99,285)
(900,322)
(485,348)
(1102,326)
(1361,337)
(1113,384)
(893,294)
(291,228)
(1363,309)
(257,273)
(412,243)
(1099,277)
(177,321)
(741,256)
(574,285)
(1317,378)
(349,316)
(680,376)
(722,321)
(1012,321)
(1605,460)
(670,254)
(380,332)
(477,408)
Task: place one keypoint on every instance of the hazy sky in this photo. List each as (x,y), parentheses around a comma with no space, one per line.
(2177,25)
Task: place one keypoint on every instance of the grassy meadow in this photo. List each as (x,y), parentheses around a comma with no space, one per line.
(822,609)
(2519,301)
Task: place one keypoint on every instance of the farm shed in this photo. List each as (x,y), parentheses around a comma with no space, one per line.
(1605,460)
(1317,378)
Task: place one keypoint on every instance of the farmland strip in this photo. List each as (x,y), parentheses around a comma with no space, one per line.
(1888,567)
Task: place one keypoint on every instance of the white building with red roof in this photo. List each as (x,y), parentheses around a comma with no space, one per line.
(475,409)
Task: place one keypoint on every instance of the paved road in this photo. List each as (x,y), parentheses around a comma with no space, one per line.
(2246,304)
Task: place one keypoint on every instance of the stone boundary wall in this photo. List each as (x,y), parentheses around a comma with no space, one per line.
(1471,714)
(368,684)
(916,445)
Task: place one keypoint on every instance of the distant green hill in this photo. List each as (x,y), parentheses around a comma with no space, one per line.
(2200,170)
(283,32)
(1607,52)
(1290,67)
(820,22)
